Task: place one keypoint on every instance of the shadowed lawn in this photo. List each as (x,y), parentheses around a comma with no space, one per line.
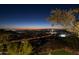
(61,52)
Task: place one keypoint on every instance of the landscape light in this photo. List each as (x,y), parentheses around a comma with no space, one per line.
(62,35)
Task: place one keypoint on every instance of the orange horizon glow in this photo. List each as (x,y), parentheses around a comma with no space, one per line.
(31,28)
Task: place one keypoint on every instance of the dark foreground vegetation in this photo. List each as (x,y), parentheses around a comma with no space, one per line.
(19,43)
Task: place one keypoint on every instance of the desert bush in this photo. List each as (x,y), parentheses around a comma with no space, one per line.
(20,48)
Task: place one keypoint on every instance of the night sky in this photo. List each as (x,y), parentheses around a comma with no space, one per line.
(28,15)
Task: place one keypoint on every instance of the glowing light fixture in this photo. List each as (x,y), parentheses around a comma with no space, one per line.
(62,35)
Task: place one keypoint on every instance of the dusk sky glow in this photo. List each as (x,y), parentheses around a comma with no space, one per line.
(28,16)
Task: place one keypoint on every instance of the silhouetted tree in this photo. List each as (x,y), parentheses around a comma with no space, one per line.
(64,17)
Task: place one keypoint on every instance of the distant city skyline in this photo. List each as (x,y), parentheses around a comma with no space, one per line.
(28,15)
